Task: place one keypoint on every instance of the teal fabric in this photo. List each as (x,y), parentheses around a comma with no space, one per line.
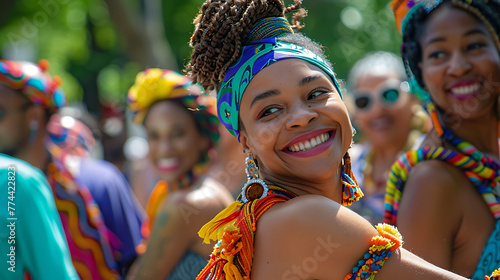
(490,258)
(188,267)
(40,244)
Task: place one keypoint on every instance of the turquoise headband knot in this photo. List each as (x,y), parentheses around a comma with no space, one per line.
(254,58)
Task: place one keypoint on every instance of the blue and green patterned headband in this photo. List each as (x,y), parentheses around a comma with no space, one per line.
(255,56)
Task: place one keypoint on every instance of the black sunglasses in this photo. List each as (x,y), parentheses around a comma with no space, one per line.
(388,97)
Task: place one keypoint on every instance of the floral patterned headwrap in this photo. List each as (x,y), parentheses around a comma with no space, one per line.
(34,82)
(153,85)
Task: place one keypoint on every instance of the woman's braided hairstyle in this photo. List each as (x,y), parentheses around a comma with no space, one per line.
(222,28)
(487,11)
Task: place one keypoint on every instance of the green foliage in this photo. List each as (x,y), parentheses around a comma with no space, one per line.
(83,46)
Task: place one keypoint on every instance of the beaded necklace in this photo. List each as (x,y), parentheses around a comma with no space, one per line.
(481,170)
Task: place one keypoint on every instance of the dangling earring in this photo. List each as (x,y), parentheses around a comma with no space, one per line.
(254,188)
(350,189)
(431,109)
(33,131)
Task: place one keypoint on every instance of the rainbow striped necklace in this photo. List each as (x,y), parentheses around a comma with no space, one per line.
(481,170)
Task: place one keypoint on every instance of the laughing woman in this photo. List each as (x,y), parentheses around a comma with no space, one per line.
(452,49)
(181,126)
(279,96)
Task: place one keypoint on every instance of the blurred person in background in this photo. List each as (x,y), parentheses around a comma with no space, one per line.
(182,130)
(121,214)
(90,242)
(33,242)
(390,120)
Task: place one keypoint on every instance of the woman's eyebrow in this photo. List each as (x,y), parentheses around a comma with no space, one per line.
(264,95)
(474,31)
(309,79)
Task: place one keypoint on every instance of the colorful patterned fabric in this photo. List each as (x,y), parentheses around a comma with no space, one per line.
(153,85)
(269,27)
(404,9)
(254,58)
(482,171)
(71,135)
(494,276)
(85,231)
(34,82)
(381,248)
(490,257)
(234,230)
(91,245)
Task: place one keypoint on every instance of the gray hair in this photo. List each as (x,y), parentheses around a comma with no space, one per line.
(376,62)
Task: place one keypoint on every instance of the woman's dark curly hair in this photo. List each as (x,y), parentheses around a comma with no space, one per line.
(222,28)
(487,11)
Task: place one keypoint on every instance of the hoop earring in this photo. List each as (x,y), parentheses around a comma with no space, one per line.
(254,188)
(350,189)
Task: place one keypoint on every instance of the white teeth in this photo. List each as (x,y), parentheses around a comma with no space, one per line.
(167,161)
(314,143)
(309,144)
(465,90)
(302,147)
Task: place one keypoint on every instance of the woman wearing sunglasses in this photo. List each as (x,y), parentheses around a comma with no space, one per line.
(390,120)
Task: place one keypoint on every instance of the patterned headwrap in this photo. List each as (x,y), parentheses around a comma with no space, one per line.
(34,82)
(155,84)
(255,56)
(70,135)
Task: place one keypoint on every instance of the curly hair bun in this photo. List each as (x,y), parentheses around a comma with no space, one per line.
(221,29)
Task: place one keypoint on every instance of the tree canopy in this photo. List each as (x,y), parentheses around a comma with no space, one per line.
(98,46)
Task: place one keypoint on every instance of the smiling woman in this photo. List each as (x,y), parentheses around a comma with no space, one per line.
(279,96)
(182,127)
(451,48)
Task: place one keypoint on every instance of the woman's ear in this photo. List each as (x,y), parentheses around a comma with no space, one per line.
(244,141)
(36,114)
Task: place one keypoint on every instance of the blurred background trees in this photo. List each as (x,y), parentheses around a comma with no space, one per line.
(98,46)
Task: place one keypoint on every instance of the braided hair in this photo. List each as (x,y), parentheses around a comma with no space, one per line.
(487,11)
(221,31)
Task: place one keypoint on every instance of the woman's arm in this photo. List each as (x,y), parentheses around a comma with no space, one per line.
(171,237)
(428,216)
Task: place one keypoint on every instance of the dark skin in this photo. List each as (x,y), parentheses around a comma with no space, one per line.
(456,52)
(332,237)
(174,137)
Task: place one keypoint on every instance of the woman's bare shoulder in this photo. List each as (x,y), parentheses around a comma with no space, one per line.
(312,228)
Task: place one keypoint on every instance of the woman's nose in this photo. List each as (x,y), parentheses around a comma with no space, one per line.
(301,115)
